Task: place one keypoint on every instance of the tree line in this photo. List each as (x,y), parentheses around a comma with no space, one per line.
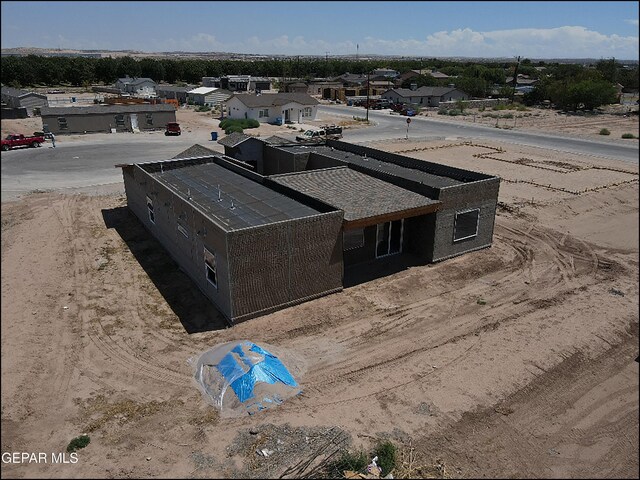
(569,86)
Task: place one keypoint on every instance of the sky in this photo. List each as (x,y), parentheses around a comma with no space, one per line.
(577,29)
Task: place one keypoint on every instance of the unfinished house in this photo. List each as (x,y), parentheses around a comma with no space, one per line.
(282,227)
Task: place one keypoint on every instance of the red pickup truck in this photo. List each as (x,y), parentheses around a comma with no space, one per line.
(13,141)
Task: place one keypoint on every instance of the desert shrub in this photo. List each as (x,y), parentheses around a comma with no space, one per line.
(628,135)
(78,443)
(442,111)
(242,123)
(387,457)
(203,108)
(604,131)
(233,129)
(454,113)
(354,461)
(507,115)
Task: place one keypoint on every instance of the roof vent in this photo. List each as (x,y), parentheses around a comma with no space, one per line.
(189,193)
(233,207)
(219,194)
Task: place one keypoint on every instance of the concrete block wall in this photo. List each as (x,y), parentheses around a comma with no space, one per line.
(285,263)
(188,253)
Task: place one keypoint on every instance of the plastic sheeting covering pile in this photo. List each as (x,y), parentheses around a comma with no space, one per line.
(257,378)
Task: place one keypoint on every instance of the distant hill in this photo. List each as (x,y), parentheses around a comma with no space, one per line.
(57,52)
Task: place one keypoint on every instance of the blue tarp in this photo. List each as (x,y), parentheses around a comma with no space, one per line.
(246,365)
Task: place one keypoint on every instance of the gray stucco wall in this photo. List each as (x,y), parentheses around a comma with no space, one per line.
(285,263)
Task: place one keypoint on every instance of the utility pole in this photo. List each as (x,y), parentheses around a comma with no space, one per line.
(368,76)
(326,62)
(515,79)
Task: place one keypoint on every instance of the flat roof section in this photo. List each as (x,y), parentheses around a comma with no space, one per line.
(245,202)
(365,200)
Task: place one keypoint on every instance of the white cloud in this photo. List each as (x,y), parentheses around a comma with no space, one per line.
(561,42)
(633,21)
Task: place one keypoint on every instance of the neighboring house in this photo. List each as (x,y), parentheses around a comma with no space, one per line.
(273,107)
(210,96)
(255,239)
(385,72)
(325,89)
(15,98)
(259,84)
(173,93)
(425,96)
(244,83)
(416,73)
(211,82)
(378,87)
(235,83)
(296,87)
(139,87)
(523,81)
(105,118)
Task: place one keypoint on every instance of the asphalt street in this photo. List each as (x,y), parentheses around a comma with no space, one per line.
(91,162)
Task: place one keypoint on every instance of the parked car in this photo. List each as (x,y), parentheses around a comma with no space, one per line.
(14,141)
(172,128)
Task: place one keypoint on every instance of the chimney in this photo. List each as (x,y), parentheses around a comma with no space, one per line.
(414,86)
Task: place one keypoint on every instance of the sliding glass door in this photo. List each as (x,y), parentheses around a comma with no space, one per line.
(389,238)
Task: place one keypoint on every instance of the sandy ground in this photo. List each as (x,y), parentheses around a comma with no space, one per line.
(513,361)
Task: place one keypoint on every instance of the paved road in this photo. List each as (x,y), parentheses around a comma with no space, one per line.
(86,163)
(90,162)
(395,127)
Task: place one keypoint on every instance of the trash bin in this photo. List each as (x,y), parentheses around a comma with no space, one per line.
(350,103)
(279,121)
(214,136)
(73,99)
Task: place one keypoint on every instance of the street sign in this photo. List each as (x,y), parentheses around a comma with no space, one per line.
(408,120)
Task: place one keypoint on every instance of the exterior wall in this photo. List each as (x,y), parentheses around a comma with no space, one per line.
(366,252)
(104,122)
(11,113)
(248,151)
(28,101)
(285,263)
(32,101)
(187,252)
(486,102)
(236,109)
(453,96)
(482,195)
(181,96)
(277,161)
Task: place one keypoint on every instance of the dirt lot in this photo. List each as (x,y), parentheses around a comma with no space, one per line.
(513,361)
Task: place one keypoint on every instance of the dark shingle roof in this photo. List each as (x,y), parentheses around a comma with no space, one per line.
(233,139)
(360,196)
(196,150)
(275,99)
(106,109)
(423,91)
(14,92)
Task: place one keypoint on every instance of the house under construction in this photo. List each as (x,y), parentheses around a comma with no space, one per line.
(270,224)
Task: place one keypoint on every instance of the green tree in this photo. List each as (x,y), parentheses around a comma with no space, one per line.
(128,67)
